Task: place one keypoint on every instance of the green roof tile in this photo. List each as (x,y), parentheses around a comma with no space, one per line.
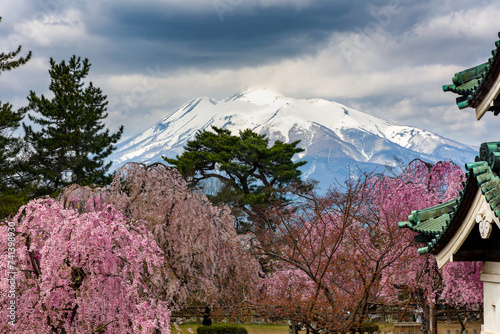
(471,74)
(423,250)
(468,83)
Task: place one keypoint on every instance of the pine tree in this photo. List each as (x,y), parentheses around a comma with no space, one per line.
(253,175)
(72,143)
(10,146)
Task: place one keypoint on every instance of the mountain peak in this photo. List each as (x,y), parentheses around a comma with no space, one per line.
(258,96)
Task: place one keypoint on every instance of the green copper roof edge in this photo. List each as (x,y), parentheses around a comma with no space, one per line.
(436,233)
(469,166)
(480,73)
(490,152)
(413,217)
(491,191)
(432,212)
(494,203)
(469,74)
(463,105)
(480,169)
(423,251)
(404,224)
(449,88)
(487,180)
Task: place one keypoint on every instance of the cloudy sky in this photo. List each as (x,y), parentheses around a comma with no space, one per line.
(386,57)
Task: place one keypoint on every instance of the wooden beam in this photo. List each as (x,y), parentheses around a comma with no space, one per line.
(489,100)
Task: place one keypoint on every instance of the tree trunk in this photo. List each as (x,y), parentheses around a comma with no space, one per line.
(426,318)
(462,323)
(432,319)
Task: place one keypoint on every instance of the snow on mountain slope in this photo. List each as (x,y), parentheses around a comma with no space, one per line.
(332,134)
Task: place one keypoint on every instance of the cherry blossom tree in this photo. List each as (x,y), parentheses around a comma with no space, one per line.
(80,272)
(461,284)
(332,253)
(205,260)
(338,254)
(462,288)
(419,186)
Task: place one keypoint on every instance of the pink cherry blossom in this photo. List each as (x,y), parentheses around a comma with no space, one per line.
(205,259)
(82,272)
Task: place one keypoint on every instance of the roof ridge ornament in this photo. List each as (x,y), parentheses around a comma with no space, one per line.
(485,219)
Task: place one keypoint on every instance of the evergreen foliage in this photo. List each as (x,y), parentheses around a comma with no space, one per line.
(11,195)
(72,143)
(253,175)
(369,327)
(221,329)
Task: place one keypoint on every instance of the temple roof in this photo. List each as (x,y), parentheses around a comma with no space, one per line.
(437,225)
(474,85)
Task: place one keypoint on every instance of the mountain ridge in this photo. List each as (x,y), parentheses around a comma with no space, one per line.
(333,135)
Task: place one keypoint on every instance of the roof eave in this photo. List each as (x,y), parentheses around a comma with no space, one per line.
(487,99)
(447,248)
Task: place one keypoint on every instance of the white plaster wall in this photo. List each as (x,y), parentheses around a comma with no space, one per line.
(491,282)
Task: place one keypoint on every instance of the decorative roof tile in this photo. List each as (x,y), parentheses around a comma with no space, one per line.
(435,225)
(474,83)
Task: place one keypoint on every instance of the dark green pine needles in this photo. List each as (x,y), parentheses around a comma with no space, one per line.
(72,142)
(252,177)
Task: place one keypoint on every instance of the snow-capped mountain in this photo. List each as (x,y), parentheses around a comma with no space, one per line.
(336,138)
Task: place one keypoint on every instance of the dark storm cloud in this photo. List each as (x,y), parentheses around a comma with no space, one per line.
(235,33)
(247,35)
